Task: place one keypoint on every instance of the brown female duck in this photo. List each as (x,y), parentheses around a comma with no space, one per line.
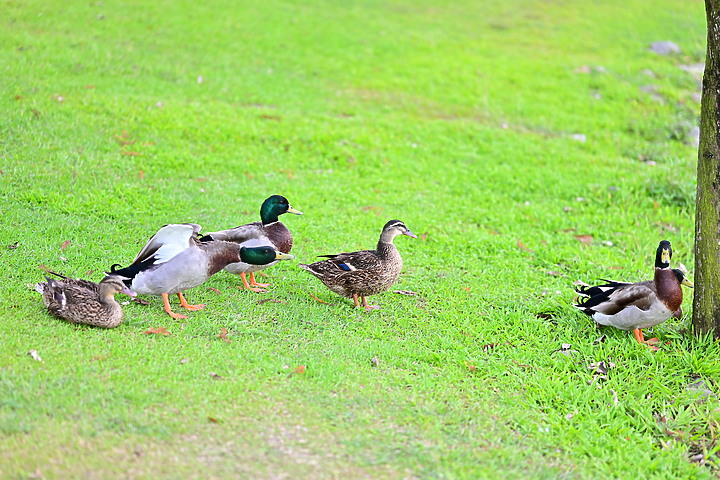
(82,301)
(359,274)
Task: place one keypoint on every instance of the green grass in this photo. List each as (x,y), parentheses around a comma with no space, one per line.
(459,120)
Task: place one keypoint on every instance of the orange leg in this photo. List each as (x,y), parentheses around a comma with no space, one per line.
(256,284)
(187,306)
(249,286)
(355,300)
(168,309)
(369,307)
(641,339)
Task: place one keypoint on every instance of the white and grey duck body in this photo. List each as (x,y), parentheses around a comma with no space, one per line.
(175,260)
(635,306)
(360,274)
(269,231)
(85,302)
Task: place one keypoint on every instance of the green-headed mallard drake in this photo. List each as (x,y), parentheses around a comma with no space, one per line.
(175,260)
(357,275)
(268,232)
(634,306)
(83,301)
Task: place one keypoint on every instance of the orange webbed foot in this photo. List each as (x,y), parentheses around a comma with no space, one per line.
(187,306)
(168,309)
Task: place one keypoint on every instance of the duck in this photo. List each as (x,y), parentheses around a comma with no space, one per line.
(85,302)
(636,306)
(360,274)
(175,260)
(269,231)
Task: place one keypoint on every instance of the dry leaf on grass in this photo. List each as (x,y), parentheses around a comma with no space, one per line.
(65,244)
(584,239)
(522,246)
(223,335)
(404,292)
(215,376)
(140,301)
(214,290)
(470,366)
(156,331)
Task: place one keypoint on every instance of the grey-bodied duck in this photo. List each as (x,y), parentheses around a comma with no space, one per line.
(175,260)
(269,231)
(635,306)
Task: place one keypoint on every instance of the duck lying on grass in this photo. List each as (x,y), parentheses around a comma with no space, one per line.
(175,260)
(634,306)
(268,232)
(357,275)
(83,301)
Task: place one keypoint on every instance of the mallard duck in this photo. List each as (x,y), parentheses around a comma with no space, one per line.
(268,232)
(175,260)
(634,306)
(357,275)
(83,301)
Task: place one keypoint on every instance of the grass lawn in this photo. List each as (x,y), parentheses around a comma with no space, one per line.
(528,144)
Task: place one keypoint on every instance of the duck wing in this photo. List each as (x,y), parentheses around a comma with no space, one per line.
(350,262)
(168,242)
(240,234)
(613,297)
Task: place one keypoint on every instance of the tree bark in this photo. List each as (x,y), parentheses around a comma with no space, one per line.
(706,304)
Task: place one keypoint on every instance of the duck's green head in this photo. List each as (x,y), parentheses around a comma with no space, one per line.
(262,255)
(663,255)
(275,206)
(682,278)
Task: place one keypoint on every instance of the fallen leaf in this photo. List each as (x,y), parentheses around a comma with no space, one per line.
(34,355)
(156,331)
(470,366)
(467,289)
(316,298)
(299,369)
(616,268)
(141,174)
(184,361)
(131,153)
(216,376)
(13,246)
(521,245)
(213,420)
(215,290)
(140,301)
(273,300)
(89,273)
(584,239)
(89,87)
(223,335)
(375,361)
(44,268)
(65,245)
(404,292)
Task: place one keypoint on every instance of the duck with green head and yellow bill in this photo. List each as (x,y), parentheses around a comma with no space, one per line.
(359,274)
(635,306)
(175,260)
(269,231)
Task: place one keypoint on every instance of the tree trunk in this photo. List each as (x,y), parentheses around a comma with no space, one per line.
(706,305)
